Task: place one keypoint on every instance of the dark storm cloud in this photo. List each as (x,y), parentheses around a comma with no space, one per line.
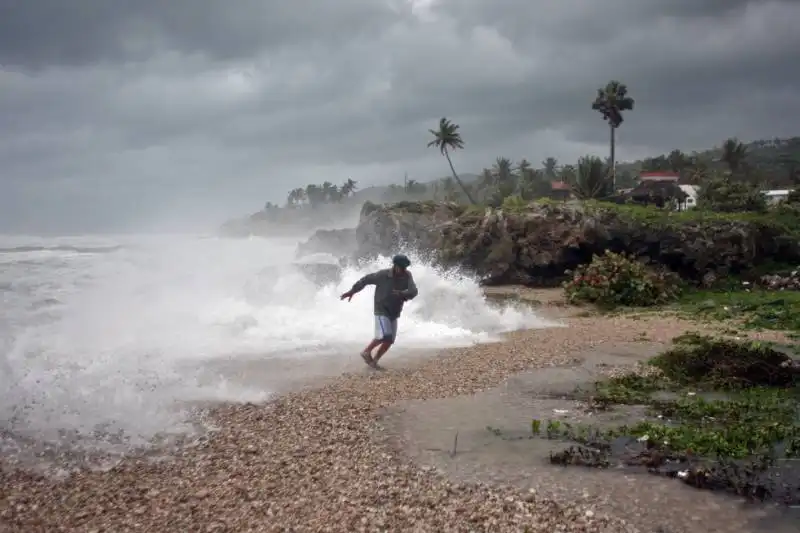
(218,106)
(39,33)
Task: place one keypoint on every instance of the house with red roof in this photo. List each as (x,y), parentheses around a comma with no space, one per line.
(560,190)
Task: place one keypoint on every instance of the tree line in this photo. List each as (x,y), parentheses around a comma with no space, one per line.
(317,194)
(760,164)
(735,166)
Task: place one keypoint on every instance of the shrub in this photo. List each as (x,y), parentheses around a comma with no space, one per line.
(616,279)
(727,195)
(726,363)
(514,203)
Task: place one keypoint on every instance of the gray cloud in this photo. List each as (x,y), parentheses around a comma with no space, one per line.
(48,32)
(157,107)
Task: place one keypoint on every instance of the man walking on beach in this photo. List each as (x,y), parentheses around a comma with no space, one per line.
(393,287)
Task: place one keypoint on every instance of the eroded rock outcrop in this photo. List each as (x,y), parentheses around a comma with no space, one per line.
(536,244)
(338,242)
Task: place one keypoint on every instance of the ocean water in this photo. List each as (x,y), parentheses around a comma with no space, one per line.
(105,342)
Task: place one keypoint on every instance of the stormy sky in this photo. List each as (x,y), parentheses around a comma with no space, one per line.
(118,114)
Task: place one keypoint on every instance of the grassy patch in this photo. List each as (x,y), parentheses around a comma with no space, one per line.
(783,220)
(754,309)
(722,414)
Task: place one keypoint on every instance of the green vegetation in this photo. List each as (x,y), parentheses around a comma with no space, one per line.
(612,280)
(727,195)
(749,309)
(723,414)
(759,411)
(730,177)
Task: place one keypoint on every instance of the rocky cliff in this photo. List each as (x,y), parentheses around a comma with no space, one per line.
(339,242)
(535,244)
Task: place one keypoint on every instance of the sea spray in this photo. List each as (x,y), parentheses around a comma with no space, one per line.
(116,337)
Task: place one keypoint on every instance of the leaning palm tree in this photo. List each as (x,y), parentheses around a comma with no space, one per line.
(447,138)
(611,101)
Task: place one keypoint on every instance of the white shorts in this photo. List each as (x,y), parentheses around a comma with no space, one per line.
(385,328)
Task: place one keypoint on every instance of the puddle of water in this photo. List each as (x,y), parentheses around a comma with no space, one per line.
(494,443)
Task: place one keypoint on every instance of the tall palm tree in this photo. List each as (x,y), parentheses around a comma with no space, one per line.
(448,138)
(610,102)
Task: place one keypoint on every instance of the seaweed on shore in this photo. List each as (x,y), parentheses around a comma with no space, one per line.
(724,415)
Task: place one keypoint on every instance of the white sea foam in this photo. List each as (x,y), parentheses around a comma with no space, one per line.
(116,338)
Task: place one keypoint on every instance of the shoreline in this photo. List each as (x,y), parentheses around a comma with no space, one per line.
(308,460)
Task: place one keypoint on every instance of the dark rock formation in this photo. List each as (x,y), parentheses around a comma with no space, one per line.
(338,242)
(536,244)
(320,268)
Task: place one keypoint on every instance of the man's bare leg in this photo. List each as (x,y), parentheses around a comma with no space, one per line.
(384,347)
(366,354)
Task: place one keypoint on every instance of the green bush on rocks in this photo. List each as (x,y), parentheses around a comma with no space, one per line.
(613,279)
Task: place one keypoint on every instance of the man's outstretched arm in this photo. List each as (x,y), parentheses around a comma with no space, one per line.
(358,286)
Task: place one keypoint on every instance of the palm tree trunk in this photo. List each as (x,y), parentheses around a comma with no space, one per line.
(453,170)
(613,161)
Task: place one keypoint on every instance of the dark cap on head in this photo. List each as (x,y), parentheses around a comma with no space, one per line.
(401,261)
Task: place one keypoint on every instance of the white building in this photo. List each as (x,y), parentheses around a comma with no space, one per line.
(776,195)
(691,197)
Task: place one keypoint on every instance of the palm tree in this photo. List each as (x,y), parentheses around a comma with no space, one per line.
(331,192)
(447,138)
(504,176)
(610,102)
(524,166)
(296,196)
(678,162)
(550,165)
(314,194)
(699,171)
(734,154)
(348,187)
(592,180)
